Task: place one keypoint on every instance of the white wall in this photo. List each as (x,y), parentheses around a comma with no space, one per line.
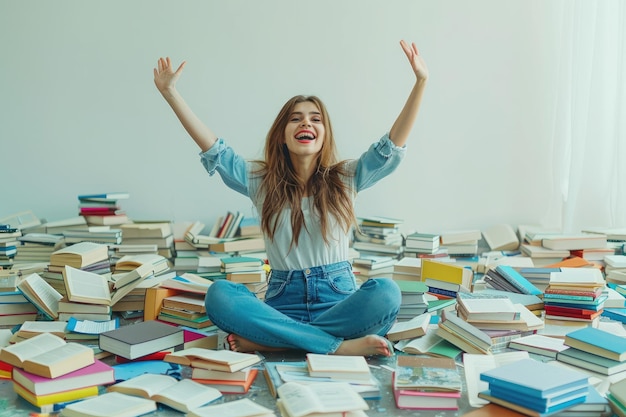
(80,114)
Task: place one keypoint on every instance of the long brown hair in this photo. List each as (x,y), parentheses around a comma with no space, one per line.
(282,189)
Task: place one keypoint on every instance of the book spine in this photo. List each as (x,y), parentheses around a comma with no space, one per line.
(441,291)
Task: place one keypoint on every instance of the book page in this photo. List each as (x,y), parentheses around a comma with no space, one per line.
(110,404)
(322,397)
(475,364)
(85,285)
(34,346)
(59,354)
(188,393)
(43,292)
(236,408)
(146,385)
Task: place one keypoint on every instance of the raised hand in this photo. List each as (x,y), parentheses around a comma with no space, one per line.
(415,59)
(164,76)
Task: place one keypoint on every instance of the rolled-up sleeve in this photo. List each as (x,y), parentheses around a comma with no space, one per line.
(233,169)
(380,160)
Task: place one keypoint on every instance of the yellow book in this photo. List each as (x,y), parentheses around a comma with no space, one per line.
(448,272)
(58,397)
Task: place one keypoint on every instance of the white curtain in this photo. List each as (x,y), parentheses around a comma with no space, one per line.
(589,120)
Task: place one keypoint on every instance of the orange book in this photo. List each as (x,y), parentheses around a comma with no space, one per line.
(154,300)
(573,262)
(231,387)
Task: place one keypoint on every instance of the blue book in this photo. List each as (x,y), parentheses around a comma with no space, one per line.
(541,404)
(599,342)
(517,280)
(534,378)
(522,408)
(104,196)
(617,314)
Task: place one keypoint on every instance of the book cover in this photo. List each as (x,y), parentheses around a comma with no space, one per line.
(230,386)
(343,368)
(426,374)
(590,361)
(57,397)
(98,373)
(517,280)
(535,379)
(409,329)
(598,341)
(446,272)
(425,400)
(140,339)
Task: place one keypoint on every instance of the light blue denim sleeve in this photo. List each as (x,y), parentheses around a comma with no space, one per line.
(380,160)
(233,169)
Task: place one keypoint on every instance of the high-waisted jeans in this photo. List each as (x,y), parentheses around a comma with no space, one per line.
(313,309)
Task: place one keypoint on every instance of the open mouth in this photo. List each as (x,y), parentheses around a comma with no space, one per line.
(305,136)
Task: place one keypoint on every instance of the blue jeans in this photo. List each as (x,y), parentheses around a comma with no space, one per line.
(313,309)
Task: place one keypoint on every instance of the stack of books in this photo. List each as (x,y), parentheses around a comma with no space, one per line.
(227,371)
(595,350)
(407,269)
(103,209)
(426,383)
(446,279)
(575,294)
(409,329)
(378,236)
(417,244)
(615,269)
(461,243)
(244,269)
(370,266)
(37,248)
(537,275)
(185,309)
(413,301)
(86,256)
(149,233)
(535,388)
(47,370)
(14,307)
(226,246)
(8,244)
(507,278)
(543,256)
(463,335)
(617,397)
(97,234)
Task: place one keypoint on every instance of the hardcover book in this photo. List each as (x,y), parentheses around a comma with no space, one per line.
(220,360)
(599,342)
(140,339)
(340,368)
(226,386)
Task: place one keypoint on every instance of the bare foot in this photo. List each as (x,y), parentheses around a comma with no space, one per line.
(365,346)
(240,344)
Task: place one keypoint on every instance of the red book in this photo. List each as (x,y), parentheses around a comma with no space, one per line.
(572,312)
(5,370)
(231,387)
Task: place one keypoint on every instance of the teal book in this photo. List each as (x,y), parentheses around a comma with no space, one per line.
(599,342)
(535,379)
(517,280)
(524,409)
(543,405)
(590,361)
(617,314)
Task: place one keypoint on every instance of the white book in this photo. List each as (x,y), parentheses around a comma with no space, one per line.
(299,400)
(577,276)
(244,407)
(110,404)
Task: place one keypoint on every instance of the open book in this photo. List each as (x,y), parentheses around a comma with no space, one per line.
(80,254)
(244,407)
(88,287)
(110,404)
(183,395)
(41,294)
(47,355)
(220,360)
(298,400)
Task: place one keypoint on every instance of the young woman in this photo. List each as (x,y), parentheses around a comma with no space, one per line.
(305,200)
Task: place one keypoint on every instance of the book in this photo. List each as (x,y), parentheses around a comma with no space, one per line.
(488,308)
(459,236)
(153,301)
(320,399)
(539,344)
(39,292)
(182,395)
(47,354)
(596,341)
(446,272)
(342,368)
(409,329)
(426,400)
(426,373)
(104,197)
(574,241)
(250,244)
(110,404)
(587,360)
(522,377)
(465,335)
(226,386)
(147,229)
(80,254)
(157,263)
(220,360)
(523,407)
(493,410)
(98,373)
(201,373)
(140,339)
(54,398)
(243,407)
(512,276)
(501,237)
(88,287)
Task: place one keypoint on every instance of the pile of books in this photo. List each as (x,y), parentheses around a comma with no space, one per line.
(185,309)
(8,244)
(370,266)
(413,301)
(426,383)
(15,308)
(143,236)
(103,209)
(418,244)
(461,243)
(37,248)
(227,371)
(86,256)
(379,236)
(48,371)
(595,350)
(535,388)
(575,294)
(445,279)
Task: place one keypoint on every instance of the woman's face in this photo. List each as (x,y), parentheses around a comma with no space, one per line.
(305,131)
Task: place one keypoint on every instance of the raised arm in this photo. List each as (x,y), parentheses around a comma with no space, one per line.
(165,80)
(401,128)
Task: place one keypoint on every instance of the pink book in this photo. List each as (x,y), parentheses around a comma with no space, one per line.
(427,400)
(98,373)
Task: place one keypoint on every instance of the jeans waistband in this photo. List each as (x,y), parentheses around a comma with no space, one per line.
(311,271)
